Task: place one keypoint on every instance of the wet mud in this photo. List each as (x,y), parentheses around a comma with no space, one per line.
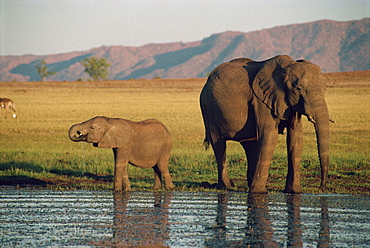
(41,218)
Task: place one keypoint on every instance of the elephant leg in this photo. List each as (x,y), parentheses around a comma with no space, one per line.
(266,145)
(157,178)
(120,171)
(294,149)
(219,148)
(251,151)
(163,169)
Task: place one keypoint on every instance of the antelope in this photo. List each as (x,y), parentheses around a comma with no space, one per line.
(7,103)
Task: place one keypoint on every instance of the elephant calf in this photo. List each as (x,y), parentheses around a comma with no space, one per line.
(146,144)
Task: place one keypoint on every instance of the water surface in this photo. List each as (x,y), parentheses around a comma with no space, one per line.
(42,218)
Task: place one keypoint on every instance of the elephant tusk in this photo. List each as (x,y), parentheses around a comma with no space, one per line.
(311,119)
(249,139)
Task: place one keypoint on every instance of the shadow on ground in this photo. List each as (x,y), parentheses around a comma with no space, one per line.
(70,173)
(21,180)
(21,175)
(18,169)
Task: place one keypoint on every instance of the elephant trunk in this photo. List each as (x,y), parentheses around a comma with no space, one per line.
(321,122)
(75,134)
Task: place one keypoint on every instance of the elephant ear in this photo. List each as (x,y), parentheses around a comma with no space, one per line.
(113,137)
(268,85)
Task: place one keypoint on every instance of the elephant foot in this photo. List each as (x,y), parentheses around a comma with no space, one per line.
(293,189)
(227,185)
(156,186)
(221,186)
(259,190)
(323,188)
(122,190)
(170,187)
(128,188)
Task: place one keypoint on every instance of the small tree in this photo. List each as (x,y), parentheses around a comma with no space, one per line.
(43,71)
(97,68)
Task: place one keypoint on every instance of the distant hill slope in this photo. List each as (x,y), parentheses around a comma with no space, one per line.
(334,46)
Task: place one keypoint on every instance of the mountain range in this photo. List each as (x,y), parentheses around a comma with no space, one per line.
(333,45)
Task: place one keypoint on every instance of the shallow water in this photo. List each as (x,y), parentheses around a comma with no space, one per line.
(41,218)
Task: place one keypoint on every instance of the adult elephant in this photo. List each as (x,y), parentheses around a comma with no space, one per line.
(146,144)
(252,102)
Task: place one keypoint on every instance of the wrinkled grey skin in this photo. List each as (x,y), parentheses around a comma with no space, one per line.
(251,102)
(145,144)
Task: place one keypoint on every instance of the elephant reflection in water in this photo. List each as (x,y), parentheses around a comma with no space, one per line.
(259,231)
(220,228)
(324,234)
(140,226)
(294,222)
(293,202)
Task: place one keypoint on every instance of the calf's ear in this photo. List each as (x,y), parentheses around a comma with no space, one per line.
(108,140)
(114,137)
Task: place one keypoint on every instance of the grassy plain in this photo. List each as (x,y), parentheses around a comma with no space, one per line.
(35,149)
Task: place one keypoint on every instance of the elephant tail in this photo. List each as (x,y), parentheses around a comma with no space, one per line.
(206,143)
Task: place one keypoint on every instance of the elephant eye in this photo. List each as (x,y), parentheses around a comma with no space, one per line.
(299,88)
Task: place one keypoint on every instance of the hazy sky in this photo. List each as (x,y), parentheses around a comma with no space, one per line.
(54,26)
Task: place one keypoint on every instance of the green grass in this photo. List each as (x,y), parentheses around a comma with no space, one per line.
(36,150)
